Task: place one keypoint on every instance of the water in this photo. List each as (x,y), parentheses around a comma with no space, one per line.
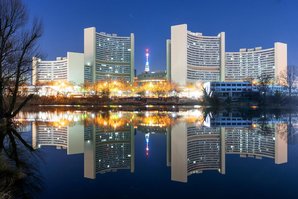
(164,154)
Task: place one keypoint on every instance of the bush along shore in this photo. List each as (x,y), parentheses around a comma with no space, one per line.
(213,101)
(128,101)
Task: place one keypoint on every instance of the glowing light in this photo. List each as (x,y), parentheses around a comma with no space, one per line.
(147,144)
(147,68)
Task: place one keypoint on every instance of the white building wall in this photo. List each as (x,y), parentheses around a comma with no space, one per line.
(168,54)
(90,157)
(132,57)
(75,139)
(281,143)
(179,152)
(75,67)
(89,53)
(222,36)
(179,54)
(280,59)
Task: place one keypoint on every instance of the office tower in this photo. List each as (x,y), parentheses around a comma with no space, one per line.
(193,57)
(108,56)
(255,62)
(69,68)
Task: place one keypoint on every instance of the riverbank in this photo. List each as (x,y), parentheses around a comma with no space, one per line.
(137,103)
(88,101)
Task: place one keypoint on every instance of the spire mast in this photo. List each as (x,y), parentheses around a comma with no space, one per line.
(147,68)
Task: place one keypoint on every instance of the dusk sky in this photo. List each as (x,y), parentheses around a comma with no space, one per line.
(247,23)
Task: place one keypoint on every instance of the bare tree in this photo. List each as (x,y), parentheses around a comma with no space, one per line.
(288,78)
(249,79)
(291,78)
(263,83)
(18,44)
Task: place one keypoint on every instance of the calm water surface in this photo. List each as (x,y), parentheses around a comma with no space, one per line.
(154,154)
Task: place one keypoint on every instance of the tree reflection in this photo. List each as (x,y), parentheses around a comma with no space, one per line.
(19,175)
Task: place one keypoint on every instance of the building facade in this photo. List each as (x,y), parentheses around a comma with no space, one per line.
(193,57)
(196,149)
(235,91)
(69,68)
(152,77)
(108,56)
(107,149)
(255,62)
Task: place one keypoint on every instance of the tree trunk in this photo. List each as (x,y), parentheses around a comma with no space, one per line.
(3,125)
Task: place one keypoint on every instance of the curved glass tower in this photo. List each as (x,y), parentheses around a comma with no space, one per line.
(108,56)
(69,68)
(194,57)
(254,62)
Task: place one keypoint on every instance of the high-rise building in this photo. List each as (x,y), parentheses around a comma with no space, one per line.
(254,62)
(108,56)
(69,68)
(193,57)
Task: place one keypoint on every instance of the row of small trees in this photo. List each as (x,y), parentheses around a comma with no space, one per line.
(107,88)
(264,83)
(287,79)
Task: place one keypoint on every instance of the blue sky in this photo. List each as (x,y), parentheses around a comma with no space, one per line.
(247,23)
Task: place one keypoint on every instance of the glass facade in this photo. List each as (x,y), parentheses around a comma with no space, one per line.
(203,57)
(110,57)
(45,71)
(194,57)
(249,63)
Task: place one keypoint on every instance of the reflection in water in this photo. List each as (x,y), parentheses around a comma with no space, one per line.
(194,144)
(108,149)
(147,136)
(19,167)
(196,149)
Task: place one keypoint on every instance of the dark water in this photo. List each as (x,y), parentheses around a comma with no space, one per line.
(164,154)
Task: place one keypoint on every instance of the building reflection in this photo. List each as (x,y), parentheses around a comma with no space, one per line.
(194,144)
(61,137)
(107,149)
(195,149)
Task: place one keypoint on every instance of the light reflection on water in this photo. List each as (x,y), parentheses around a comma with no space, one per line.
(194,143)
(124,152)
